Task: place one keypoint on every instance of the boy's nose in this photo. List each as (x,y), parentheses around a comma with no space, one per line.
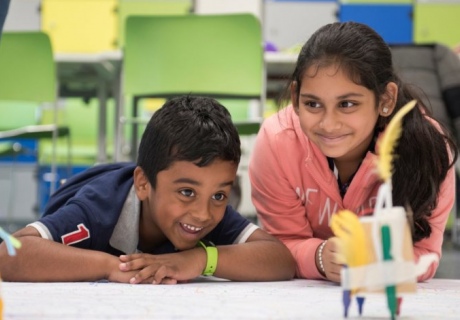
(201,211)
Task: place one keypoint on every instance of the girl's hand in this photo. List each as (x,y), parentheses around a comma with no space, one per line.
(332,259)
(165,268)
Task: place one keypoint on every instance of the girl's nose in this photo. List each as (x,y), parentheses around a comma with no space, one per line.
(330,121)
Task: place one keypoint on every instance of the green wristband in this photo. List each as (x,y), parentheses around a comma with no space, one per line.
(211,258)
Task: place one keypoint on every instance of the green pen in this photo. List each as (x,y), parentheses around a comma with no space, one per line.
(390,290)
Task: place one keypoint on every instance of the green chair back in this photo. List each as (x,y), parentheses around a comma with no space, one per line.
(26,76)
(219,55)
(210,55)
(82,120)
(128,8)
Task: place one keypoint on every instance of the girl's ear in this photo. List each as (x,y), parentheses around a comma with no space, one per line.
(141,184)
(294,96)
(388,101)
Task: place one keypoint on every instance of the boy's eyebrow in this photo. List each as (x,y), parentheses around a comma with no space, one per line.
(343,96)
(196,183)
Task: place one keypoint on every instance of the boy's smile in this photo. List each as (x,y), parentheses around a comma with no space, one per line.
(187,203)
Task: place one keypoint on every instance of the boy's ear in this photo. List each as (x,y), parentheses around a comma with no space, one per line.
(141,184)
(294,96)
(388,101)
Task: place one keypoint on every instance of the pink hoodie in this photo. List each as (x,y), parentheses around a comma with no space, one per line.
(295,193)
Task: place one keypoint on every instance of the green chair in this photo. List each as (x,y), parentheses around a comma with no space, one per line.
(28,77)
(128,8)
(211,55)
(82,120)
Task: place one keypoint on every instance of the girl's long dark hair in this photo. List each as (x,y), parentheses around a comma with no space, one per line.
(422,160)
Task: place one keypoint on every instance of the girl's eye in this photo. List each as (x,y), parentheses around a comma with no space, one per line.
(346,104)
(219,197)
(312,104)
(187,192)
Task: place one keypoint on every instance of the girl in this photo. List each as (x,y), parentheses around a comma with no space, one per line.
(317,156)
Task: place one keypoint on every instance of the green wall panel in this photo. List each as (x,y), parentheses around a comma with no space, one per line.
(437,22)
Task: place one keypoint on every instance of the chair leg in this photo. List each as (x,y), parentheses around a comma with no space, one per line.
(9,214)
(53,179)
(119,113)
(69,156)
(134,128)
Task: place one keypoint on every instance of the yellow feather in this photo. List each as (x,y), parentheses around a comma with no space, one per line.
(348,229)
(389,140)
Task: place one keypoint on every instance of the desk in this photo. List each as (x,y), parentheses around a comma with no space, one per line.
(90,75)
(216,299)
(279,64)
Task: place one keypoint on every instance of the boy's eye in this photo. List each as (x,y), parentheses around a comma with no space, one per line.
(219,197)
(187,192)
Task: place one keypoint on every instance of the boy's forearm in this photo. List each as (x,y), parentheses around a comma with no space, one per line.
(41,260)
(264,260)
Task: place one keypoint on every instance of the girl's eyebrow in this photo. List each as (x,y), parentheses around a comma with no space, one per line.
(350,95)
(343,96)
(308,95)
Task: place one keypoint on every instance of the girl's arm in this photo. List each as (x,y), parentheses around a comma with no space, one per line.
(280,210)
(437,221)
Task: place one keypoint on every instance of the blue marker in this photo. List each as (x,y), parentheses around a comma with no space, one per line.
(346,298)
(346,295)
(360,301)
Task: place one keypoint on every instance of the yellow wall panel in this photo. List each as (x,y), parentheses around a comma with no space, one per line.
(80,26)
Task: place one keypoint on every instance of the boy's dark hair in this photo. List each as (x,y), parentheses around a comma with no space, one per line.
(188,128)
(422,158)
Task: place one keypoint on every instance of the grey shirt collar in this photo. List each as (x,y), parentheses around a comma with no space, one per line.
(125,236)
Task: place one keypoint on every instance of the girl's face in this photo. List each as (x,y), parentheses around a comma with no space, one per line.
(336,114)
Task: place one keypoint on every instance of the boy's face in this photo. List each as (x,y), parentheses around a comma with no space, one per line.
(187,203)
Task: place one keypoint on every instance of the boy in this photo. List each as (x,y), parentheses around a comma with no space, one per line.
(154,222)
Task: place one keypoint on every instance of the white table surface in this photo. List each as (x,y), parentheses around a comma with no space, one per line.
(216,299)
